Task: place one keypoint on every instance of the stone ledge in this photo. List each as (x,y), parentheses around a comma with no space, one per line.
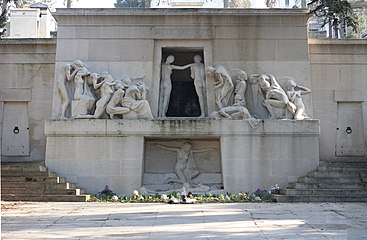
(337,41)
(15,95)
(28,41)
(349,95)
(179,127)
(172,11)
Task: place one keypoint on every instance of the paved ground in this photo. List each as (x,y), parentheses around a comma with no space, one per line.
(199,221)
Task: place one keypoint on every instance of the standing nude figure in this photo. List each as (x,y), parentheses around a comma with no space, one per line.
(80,70)
(107,89)
(241,86)
(62,78)
(198,74)
(185,167)
(166,84)
(296,98)
(222,84)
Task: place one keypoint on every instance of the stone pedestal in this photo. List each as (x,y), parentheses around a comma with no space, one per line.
(98,152)
(82,106)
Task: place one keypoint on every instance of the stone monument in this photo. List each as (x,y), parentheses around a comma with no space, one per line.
(195,118)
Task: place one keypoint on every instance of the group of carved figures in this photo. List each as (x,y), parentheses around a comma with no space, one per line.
(237,95)
(94,95)
(266,96)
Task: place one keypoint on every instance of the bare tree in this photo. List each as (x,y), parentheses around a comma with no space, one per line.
(68,3)
(270,3)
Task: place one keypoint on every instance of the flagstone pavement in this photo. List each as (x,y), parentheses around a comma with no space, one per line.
(103,220)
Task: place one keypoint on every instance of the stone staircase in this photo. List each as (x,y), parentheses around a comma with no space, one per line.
(33,182)
(331,182)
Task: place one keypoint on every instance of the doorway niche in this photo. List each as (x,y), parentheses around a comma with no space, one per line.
(184,100)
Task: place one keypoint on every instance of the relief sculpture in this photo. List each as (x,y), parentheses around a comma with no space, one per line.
(237,96)
(96,95)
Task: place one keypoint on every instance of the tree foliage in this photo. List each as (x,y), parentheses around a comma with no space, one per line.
(4,8)
(130,4)
(239,3)
(5,4)
(336,13)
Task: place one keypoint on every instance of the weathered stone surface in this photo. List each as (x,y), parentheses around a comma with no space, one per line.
(237,221)
(111,151)
(338,72)
(331,182)
(27,70)
(33,182)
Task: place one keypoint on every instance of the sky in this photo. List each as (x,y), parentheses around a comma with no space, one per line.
(88,3)
(109,3)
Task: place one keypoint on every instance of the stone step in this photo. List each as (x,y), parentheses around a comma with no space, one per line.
(27,174)
(21,163)
(349,169)
(43,185)
(10,167)
(326,185)
(333,174)
(45,198)
(361,164)
(354,179)
(323,192)
(38,191)
(322,198)
(33,179)
(331,182)
(33,182)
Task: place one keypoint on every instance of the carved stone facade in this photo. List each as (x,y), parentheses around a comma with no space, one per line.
(148,101)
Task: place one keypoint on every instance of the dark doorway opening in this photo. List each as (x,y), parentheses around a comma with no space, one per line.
(184,100)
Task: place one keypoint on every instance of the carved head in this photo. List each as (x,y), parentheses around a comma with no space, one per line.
(210,71)
(264,84)
(238,100)
(187,146)
(170,59)
(132,91)
(290,84)
(242,75)
(254,78)
(108,78)
(78,63)
(198,58)
(120,93)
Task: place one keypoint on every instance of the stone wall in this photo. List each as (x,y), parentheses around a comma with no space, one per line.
(134,43)
(111,41)
(339,94)
(130,42)
(27,72)
(97,152)
(27,68)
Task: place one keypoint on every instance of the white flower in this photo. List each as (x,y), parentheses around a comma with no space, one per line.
(164,197)
(257,199)
(191,200)
(115,198)
(136,193)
